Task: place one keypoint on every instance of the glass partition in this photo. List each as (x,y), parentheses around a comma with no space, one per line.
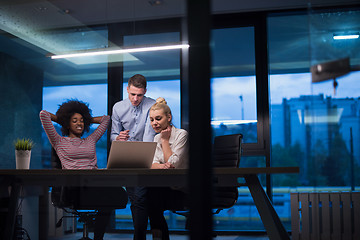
(313,126)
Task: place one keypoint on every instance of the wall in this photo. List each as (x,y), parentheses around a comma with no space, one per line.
(20,104)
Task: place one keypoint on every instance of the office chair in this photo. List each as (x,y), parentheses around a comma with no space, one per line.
(82,203)
(227,151)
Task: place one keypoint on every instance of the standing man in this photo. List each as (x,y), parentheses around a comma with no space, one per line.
(130,117)
(130,122)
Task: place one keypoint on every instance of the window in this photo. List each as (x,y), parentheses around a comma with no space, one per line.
(233,87)
(234,109)
(313,125)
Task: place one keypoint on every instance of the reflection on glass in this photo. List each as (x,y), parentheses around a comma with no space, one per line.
(309,123)
(324,26)
(311,126)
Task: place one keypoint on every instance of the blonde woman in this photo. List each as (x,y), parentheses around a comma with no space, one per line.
(171,152)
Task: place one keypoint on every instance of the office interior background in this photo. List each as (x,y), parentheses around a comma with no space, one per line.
(286,119)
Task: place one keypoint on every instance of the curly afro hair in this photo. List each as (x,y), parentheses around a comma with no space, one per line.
(68,109)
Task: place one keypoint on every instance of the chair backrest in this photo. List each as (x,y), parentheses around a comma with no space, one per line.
(61,197)
(227,153)
(55,160)
(227,150)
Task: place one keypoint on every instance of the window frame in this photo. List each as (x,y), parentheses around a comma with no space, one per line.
(258,22)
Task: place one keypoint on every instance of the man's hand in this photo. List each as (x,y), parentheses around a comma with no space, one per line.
(123,136)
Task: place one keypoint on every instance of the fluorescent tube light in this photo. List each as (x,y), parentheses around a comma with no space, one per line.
(231,122)
(346,36)
(120,51)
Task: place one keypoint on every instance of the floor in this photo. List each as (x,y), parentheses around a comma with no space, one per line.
(126,236)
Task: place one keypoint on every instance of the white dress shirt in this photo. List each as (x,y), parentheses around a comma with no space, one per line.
(179,145)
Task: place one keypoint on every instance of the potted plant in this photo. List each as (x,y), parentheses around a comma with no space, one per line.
(23,148)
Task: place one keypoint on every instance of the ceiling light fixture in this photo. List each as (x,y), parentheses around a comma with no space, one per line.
(345,36)
(120,51)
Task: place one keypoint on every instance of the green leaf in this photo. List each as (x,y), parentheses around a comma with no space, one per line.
(23,144)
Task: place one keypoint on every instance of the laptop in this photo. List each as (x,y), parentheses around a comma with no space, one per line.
(126,154)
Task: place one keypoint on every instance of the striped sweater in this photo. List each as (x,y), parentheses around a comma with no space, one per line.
(74,153)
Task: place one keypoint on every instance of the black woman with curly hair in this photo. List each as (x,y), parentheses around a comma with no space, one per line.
(75,118)
(66,112)
(76,152)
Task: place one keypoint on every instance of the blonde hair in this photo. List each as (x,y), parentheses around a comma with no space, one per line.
(161,104)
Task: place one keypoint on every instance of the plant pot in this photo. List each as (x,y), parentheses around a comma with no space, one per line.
(22,158)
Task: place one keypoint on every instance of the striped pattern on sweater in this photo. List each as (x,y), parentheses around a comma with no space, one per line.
(74,153)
